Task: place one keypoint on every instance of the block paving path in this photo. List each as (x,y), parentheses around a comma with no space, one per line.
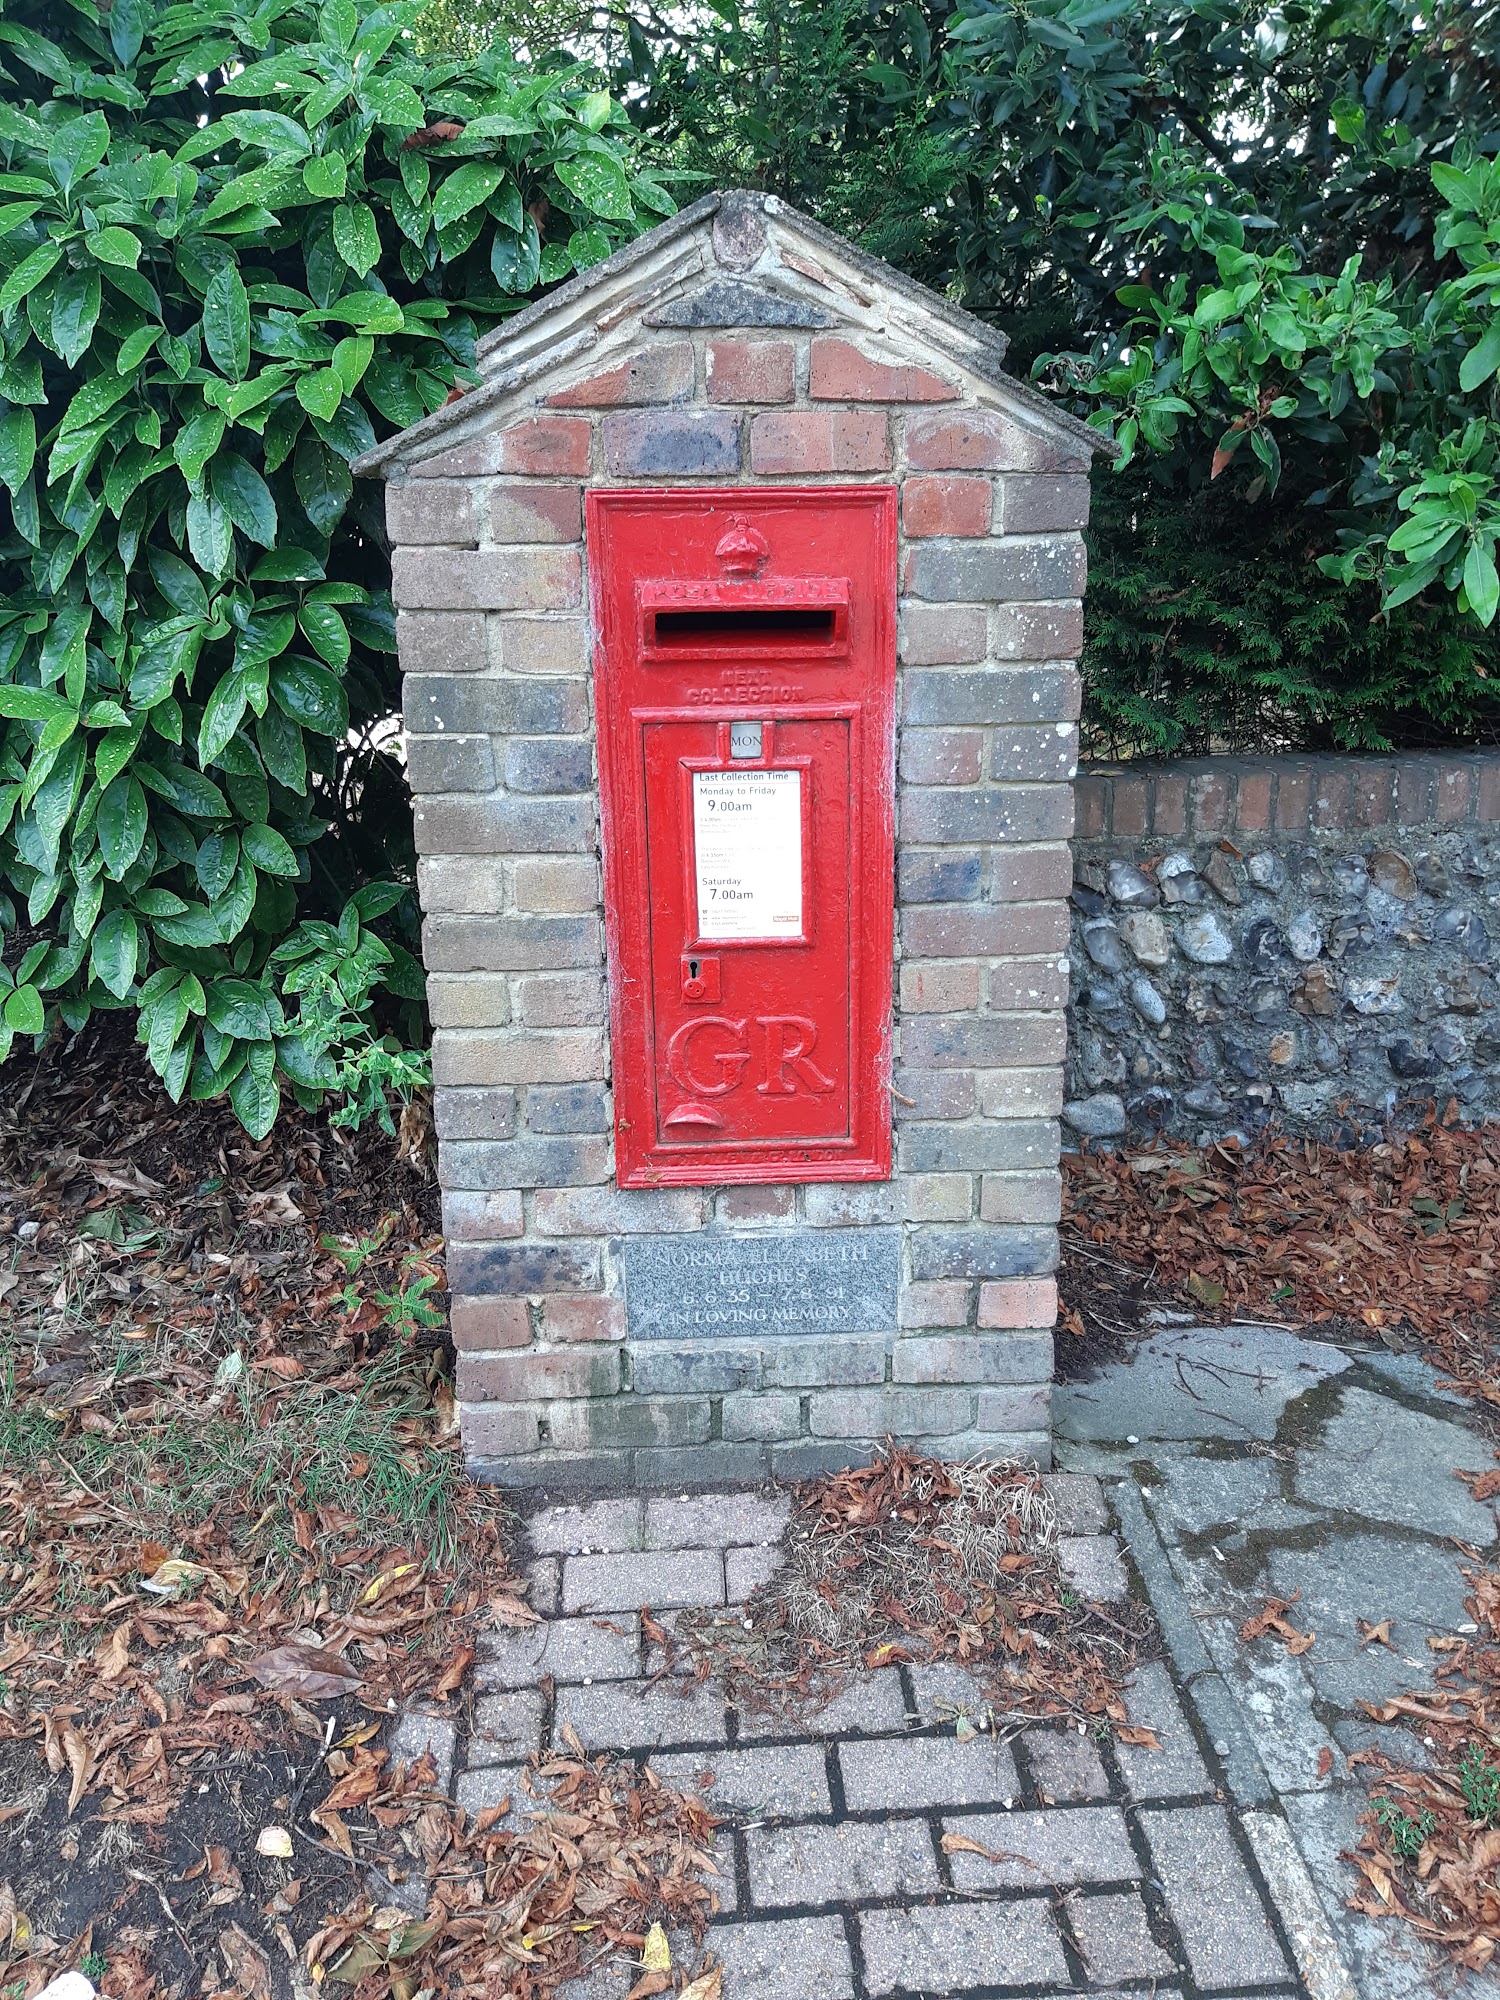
(1117,1868)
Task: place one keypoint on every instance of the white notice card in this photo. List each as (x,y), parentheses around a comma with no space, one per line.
(747,837)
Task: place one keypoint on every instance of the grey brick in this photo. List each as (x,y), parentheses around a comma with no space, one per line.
(832,1361)
(1212,1899)
(416,1736)
(465,1000)
(989,695)
(1020,1197)
(974,1357)
(871,1704)
(494,705)
(916,1771)
(1033,569)
(1003,1412)
(450,763)
(1176,1769)
(802,1958)
(516,1056)
(778,1782)
(522,1163)
(985,930)
(1036,755)
(549,764)
(465,884)
(626,1582)
(988,1251)
(748,1416)
(482,1218)
(475,1114)
(934,1093)
(1041,632)
(714,1520)
(510,944)
(813,1458)
(456,823)
(489,580)
(609,1211)
(969,1041)
(949,814)
(559,1471)
(432,512)
(1114,1937)
(839,1864)
(941,875)
(1026,985)
(712,1464)
(1092,1567)
(569,1649)
(660,443)
(629,1422)
(539,645)
(599,1525)
(1021,1093)
(491,1785)
(938,633)
(565,885)
(904,1412)
(505,1727)
(1044,1849)
(745,1570)
(560,1000)
(1028,1447)
(1043,503)
(1065,1765)
(440,641)
(846,1204)
(658,1369)
(635,1717)
(536,513)
(953,1947)
(993,1147)
(1079,1500)
(509,1270)
(567,1107)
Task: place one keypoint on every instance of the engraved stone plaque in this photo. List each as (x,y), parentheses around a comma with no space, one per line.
(782,1281)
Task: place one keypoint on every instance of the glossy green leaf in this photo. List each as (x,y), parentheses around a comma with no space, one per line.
(226,323)
(598,182)
(112,954)
(121,822)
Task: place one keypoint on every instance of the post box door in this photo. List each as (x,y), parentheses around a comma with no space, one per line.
(745,691)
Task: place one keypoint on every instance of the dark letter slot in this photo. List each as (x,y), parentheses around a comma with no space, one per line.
(809,624)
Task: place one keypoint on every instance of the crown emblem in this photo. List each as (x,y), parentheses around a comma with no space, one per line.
(742,551)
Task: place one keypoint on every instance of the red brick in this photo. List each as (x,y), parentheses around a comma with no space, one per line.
(1013,1302)
(1373,795)
(939,989)
(751,371)
(655,375)
(1252,804)
(477,1324)
(1332,799)
(517,1378)
(1030,874)
(536,514)
(556,445)
(1129,803)
(946,506)
(482,1218)
(841,373)
(1489,791)
(568,1319)
(1091,796)
(936,1302)
(1293,800)
(942,756)
(984,441)
(1169,806)
(942,635)
(819,441)
(1413,792)
(1210,795)
(757,1204)
(1452,795)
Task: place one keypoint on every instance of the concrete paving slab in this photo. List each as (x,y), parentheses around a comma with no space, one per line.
(1197,1382)
(1385,1462)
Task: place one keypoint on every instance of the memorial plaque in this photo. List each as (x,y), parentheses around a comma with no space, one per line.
(784,1281)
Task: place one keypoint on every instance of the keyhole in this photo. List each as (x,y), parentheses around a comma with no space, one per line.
(692,968)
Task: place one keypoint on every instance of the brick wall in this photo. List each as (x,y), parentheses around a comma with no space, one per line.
(1308,942)
(490,579)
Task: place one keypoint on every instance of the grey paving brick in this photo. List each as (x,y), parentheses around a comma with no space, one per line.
(1065,1765)
(1151,1703)
(799,1958)
(1212,1899)
(626,1582)
(919,1771)
(952,1947)
(1079,1500)
(416,1736)
(870,1705)
(1115,1940)
(544,1585)
(570,1649)
(601,1525)
(746,1569)
(618,1715)
(1038,1849)
(714,1520)
(1093,1566)
(944,1692)
(492,1785)
(774,1782)
(505,1727)
(839,1864)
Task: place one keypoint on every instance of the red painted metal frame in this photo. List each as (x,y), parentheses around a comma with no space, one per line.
(832,547)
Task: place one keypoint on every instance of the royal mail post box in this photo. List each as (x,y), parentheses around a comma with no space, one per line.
(745,676)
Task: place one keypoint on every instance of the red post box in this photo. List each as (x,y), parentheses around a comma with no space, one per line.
(745,672)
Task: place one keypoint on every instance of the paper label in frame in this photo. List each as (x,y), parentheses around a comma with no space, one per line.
(747,843)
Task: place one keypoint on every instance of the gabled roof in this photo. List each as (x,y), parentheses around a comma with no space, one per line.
(733,259)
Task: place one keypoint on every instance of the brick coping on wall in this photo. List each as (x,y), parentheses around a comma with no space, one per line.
(1199,796)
